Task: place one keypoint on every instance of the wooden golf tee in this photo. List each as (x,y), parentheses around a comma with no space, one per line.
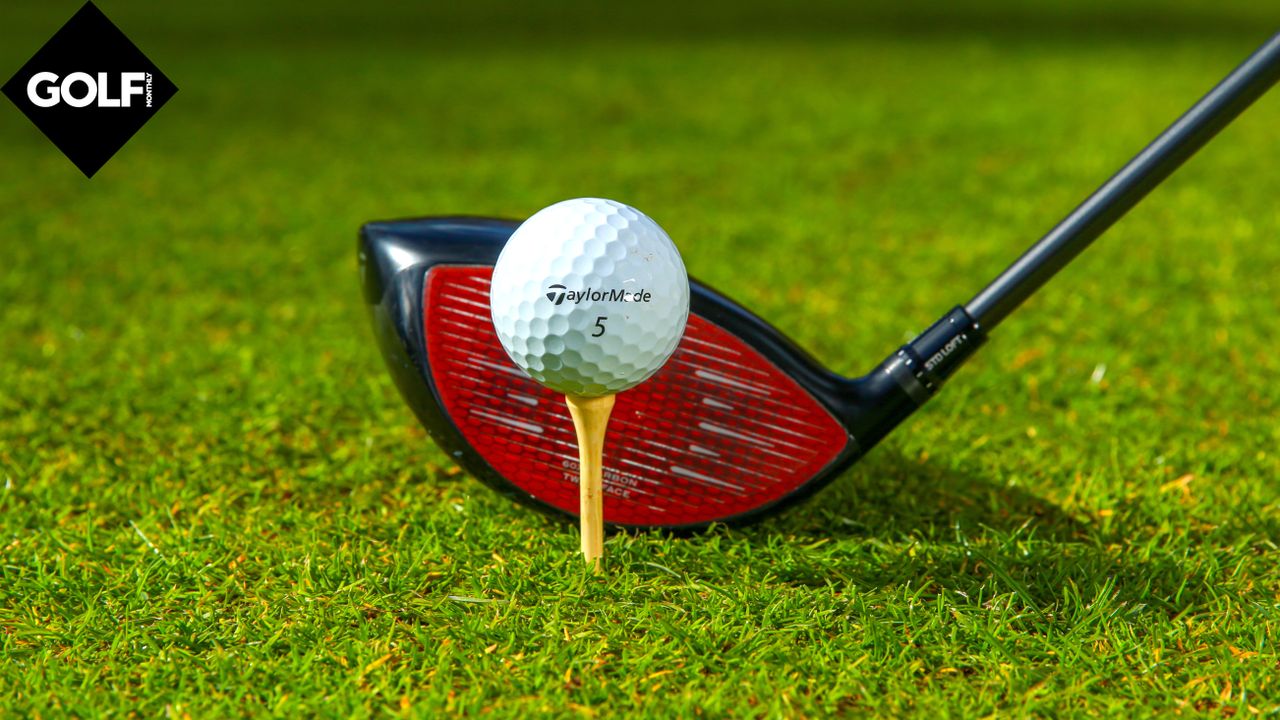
(590,420)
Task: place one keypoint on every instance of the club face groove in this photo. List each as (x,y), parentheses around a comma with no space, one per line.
(737,424)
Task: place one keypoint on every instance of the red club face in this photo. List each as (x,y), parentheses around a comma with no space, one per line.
(718,432)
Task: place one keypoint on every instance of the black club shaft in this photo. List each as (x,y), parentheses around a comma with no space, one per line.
(1128,186)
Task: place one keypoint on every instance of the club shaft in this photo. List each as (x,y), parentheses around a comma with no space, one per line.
(1128,186)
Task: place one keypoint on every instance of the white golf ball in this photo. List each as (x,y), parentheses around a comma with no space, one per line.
(589,297)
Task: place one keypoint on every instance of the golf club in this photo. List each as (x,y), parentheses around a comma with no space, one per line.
(741,422)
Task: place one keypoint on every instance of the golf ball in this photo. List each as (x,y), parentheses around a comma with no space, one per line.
(589,297)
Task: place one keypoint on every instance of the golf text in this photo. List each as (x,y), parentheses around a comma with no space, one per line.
(558,294)
(79,89)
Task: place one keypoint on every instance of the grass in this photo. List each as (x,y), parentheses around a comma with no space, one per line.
(212,502)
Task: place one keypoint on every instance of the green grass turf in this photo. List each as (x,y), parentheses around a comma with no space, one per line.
(213,502)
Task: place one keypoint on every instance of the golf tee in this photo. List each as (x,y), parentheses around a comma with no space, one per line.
(590,420)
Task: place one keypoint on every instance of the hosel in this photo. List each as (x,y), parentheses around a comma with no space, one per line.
(922,365)
(897,387)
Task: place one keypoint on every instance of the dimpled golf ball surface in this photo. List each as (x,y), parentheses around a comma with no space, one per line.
(589,297)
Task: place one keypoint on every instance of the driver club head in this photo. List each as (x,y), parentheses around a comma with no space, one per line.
(738,424)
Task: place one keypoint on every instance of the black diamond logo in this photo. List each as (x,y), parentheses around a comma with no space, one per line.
(89,89)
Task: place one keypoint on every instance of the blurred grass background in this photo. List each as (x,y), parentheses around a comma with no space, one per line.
(214,503)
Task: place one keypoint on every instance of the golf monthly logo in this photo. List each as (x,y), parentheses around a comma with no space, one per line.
(558,294)
(89,89)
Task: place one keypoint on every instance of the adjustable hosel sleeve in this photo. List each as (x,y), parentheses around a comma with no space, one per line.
(922,365)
